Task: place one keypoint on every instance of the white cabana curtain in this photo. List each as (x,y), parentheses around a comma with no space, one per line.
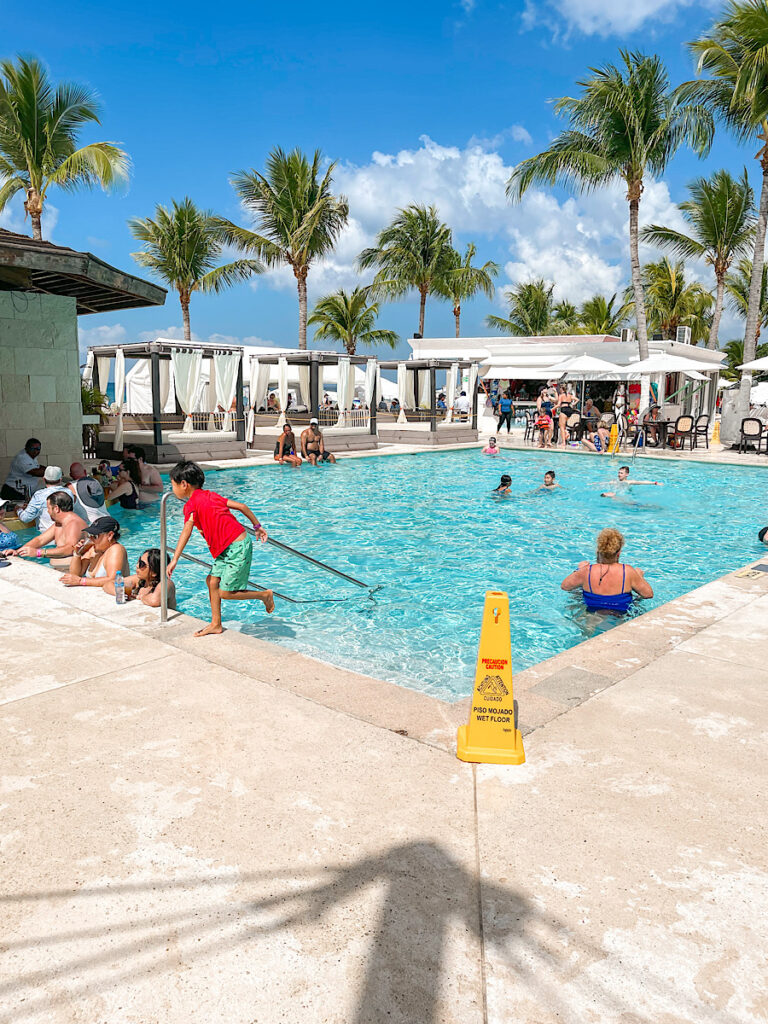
(402,391)
(472,387)
(258,385)
(450,391)
(103,366)
(372,378)
(88,370)
(119,398)
(282,388)
(207,401)
(410,390)
(187,370)
(345,388)
(165,386)
(304,395)
(225,368)
(425,396)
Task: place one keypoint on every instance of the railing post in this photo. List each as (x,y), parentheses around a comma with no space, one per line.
(157,412)
(164,558)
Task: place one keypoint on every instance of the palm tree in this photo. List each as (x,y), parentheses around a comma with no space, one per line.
(737,285)
(39,128)
(349,317)
(673,303)
(182,246)
(298,219)
(414,251)
(463,281)
(530,310)
(625,124)
(599,315)
(734,353)
(565,317)
(732,56)
(721,214)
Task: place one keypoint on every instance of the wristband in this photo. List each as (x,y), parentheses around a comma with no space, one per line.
(38,553)
(257,526)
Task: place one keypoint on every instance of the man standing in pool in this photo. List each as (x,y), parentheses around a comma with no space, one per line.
(226,538)
(625,483)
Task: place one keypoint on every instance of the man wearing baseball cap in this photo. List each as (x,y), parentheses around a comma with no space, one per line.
(313,446)
(37,507)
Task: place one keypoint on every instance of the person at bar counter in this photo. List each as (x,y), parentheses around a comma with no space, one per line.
(25,473)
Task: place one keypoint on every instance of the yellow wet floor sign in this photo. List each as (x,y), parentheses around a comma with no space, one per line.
(613,439)
(491,737)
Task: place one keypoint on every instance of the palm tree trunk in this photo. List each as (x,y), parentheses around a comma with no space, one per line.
(635,191)
(301,284)
(184,300)
(34,207)
(718,312)
(755,289)
(457,315)
(633,194)
(422,307)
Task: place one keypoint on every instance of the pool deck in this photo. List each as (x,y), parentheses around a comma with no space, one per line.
(220,830)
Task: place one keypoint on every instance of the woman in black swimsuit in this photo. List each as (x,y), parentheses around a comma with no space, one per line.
(127,485)
(565,402)
(285,448)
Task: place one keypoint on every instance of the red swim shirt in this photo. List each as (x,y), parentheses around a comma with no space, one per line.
(213,519)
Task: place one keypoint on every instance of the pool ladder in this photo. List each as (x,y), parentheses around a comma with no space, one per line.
(206,565)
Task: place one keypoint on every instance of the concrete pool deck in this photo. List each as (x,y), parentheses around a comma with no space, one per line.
(217,830)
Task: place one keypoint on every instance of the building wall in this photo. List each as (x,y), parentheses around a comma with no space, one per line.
(39,377)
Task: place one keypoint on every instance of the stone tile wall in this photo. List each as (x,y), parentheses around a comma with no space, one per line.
(39,377)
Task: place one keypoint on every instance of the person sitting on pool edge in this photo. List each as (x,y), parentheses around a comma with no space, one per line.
(625,483)
(313,445)
(491,448)
(285,448)
(144,585)
(608,585)
(597,438)
(99,557)
(549,482)
(503,488)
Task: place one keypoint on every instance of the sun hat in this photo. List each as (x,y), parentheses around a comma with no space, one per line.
(89,492)
(104,524)
(53,474)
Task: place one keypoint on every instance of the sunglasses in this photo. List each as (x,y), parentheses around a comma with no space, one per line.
(142,564)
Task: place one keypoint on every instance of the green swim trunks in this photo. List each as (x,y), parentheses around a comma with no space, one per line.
(233,566)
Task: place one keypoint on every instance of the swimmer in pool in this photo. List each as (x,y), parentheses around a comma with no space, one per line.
(549,483)
(625,483)
(492,448)
(504,486)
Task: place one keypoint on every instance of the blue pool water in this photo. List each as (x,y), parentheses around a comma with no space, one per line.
(426,530)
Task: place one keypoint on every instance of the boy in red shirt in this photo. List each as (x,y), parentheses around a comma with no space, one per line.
(227,541)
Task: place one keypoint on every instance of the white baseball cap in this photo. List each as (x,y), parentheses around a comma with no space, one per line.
(53,474)
(313,420)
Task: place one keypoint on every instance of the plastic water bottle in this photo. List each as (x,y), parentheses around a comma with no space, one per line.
(119,589)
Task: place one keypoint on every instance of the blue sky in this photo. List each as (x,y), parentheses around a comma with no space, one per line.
(418,102)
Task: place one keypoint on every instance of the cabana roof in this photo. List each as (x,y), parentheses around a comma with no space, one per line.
(164,346)
(29,265)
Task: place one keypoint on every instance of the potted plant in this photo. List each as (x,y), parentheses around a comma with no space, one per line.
(93,402)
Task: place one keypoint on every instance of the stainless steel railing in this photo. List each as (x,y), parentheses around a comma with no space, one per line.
(256,586)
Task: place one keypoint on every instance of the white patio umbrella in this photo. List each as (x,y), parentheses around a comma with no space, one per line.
(585,367)
(663,362)
(756,364)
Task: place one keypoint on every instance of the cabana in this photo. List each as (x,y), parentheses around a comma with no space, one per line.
(180,400)
(367,407)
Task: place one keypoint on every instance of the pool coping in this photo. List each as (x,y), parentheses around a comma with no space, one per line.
(543,692)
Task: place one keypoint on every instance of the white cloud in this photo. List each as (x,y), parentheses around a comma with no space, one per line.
(112,334)
(116,334)
(603,17)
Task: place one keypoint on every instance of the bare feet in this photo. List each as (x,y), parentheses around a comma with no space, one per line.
(211,629)
(269,602)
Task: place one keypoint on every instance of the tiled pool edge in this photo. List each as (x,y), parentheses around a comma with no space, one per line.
(543,692)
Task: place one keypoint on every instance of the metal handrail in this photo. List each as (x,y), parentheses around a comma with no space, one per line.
(191,558)
(309,558)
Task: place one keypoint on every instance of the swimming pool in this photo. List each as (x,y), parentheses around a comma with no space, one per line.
(426,530)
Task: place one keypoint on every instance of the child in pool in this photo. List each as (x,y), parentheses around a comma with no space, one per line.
(504,486)
(549,482)
(492,448)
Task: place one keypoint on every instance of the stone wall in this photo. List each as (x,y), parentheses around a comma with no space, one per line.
(39,377)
